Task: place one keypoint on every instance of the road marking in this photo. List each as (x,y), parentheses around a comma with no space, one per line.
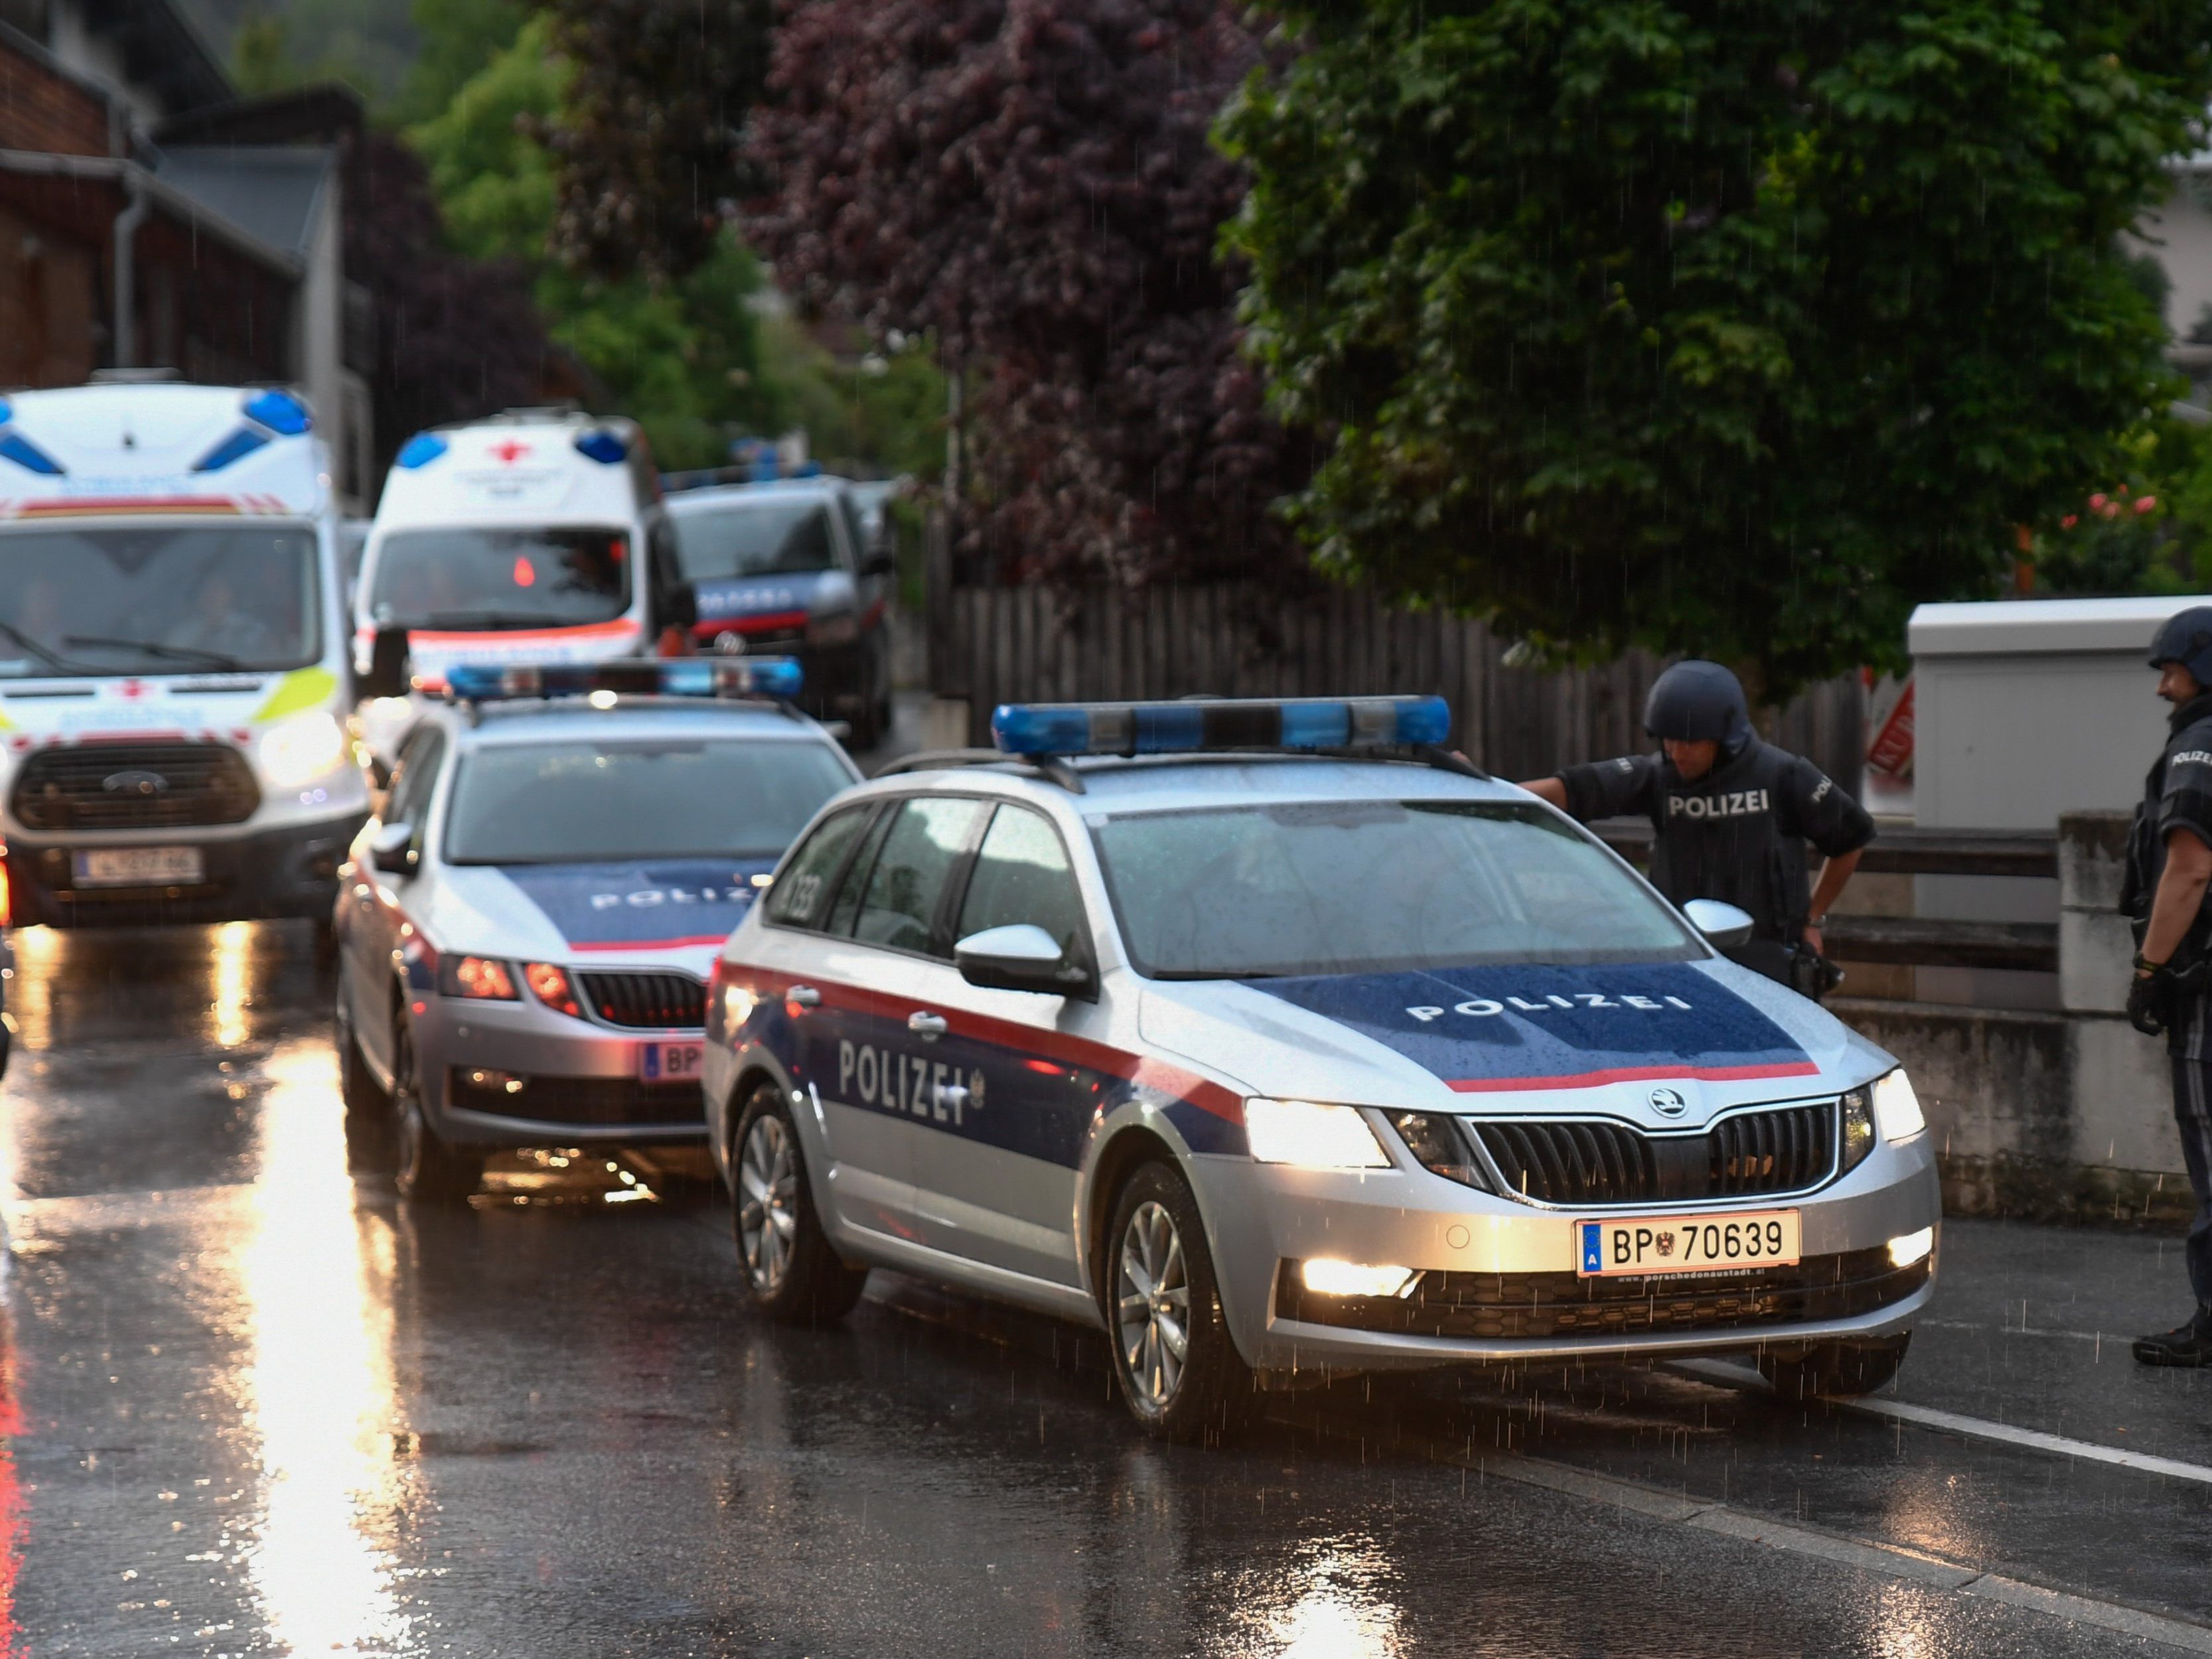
(1865,1555)
(2011,1330)
(1976,1428)
(1927,1417)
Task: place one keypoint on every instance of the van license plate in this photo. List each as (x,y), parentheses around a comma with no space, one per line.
(138,866)
(670,1062)
(1648,1244)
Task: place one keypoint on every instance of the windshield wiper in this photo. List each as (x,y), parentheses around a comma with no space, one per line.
(44,653)
(171,652)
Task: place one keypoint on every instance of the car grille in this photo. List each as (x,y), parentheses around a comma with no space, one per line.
(656,1002)
(583,1100)
(112,785)
(1593,1161)
(1561,1304)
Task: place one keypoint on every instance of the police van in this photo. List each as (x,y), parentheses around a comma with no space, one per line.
(537,536)
(173,656)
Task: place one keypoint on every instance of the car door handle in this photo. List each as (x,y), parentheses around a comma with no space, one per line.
(927,1026)
(803,996)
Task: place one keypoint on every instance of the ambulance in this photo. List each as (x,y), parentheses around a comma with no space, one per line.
(537,536)
(173,656)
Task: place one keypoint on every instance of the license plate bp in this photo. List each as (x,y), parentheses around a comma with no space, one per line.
(670,1062)
(137,867)
(1640,1246)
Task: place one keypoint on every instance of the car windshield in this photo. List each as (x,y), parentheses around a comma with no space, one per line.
(490,580)
(147,600)
(1372,886)
(600,803)
(766,537)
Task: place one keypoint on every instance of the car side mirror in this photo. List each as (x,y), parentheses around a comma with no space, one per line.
(1723,925)
(879,562)
(387,665)
(392,848)
(1019,957)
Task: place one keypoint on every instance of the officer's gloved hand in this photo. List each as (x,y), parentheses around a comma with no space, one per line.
(2150,1002)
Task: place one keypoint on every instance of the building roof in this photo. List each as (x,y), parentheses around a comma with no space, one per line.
(272,191)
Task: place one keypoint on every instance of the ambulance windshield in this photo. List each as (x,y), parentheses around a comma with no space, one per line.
(482,580)
(1373,886)
(202,599)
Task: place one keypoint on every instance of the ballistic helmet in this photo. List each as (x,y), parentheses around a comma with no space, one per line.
(2186,639)
(1696,702)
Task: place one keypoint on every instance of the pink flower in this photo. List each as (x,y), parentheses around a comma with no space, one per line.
(2097,501)
(2069,521)
(2144,503)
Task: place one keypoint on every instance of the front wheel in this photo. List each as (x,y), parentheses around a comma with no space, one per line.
(790,1272)
(1179,1372)
(1842,1369)
(425,1169)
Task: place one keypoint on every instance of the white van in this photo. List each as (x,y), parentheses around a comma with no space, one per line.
(537,536)
(173,658)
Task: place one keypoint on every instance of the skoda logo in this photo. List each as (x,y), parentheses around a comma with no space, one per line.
(1668,1103)
(135,783)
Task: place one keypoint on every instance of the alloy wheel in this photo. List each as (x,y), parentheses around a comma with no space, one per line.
(768,1202)
(1152,1306)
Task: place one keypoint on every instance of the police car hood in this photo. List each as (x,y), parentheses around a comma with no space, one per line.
(1664,1044)
(569,912)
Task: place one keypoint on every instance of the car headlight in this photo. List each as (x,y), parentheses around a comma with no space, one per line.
(1439,1146)
(1317,1136)
(1896,1107)
(1858,1125)
(550,985)
(480,979)
(301,748)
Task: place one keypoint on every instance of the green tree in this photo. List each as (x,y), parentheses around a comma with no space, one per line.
(683,356)
(1737,328)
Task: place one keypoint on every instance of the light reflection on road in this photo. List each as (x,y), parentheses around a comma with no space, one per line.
(316,1283)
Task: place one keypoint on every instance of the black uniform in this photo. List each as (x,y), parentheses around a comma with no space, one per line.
(1737,834)
(2178,795)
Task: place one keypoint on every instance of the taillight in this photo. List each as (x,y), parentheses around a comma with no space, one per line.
(7,894)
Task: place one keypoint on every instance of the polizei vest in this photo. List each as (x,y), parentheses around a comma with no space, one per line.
(1722,837)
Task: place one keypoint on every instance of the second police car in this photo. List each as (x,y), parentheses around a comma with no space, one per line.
(525,933)
(1274,1063)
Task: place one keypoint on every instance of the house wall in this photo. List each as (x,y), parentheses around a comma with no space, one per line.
(48,294)
(2180,234)
(41,110)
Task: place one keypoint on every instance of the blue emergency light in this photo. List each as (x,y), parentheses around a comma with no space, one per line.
(1169,728)
(602,446)
(635,677)
(420,450)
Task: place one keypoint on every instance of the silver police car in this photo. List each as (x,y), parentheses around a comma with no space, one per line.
(1273,1039)
(523,934)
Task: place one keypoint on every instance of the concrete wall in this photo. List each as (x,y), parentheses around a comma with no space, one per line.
(2066,1114)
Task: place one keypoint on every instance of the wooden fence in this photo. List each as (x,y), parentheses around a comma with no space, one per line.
(994,644)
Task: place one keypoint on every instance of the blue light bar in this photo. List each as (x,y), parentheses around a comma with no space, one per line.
(280,412)
(603,446)
(1171,728)
(420,450)
(636,676)
(25,453)
(240,443)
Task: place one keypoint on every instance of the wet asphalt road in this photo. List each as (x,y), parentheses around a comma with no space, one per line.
(253,1405)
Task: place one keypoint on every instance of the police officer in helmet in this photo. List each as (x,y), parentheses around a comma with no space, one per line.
(2169,863)
(1730,816)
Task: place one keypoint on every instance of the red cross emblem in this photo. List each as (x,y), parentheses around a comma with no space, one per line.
(510,451)
(132,688)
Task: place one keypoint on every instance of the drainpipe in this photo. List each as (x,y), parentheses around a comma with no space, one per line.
(134,214)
